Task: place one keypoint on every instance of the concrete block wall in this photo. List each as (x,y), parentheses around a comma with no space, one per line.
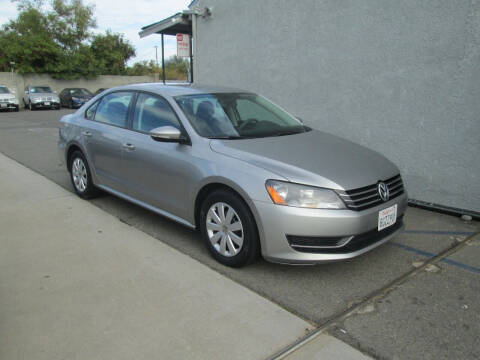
(18,82)
(401,77)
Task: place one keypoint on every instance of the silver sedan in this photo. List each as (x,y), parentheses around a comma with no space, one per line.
(250,176)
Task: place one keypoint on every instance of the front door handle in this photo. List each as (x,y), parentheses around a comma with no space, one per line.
(128,146)
(87,133)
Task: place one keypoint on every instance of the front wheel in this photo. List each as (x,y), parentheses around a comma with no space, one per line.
(228,229)
(81,176)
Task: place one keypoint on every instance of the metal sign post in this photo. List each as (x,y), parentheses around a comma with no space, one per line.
(163,61)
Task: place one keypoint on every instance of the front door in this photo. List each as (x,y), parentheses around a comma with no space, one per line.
(157,173)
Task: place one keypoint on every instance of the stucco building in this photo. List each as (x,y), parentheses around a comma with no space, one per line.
(401,77)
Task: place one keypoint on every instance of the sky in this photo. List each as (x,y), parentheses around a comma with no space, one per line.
(126,17)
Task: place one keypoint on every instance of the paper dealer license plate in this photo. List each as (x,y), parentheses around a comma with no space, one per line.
(387,217)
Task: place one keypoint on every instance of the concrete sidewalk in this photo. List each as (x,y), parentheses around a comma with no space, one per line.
(76,283)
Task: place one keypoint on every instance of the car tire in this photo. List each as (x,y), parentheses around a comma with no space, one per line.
(81,176)
(17,109)
(235,228)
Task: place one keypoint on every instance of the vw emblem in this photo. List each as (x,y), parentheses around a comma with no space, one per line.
(383,191)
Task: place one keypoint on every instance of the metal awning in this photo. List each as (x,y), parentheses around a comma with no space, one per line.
(179,23)
(176,24)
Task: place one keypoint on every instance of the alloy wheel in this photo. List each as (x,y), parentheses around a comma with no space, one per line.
(79,174)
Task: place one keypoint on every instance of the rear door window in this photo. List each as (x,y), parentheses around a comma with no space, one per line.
(113,108)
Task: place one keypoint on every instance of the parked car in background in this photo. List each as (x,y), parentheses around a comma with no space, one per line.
(100,90)
(8,100)
(74,97)
(250,176)
(40,97)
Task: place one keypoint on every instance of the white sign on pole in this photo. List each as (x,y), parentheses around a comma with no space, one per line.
(183,45)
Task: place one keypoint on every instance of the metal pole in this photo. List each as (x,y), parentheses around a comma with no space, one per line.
(163,61)
(191,60)
(156,54)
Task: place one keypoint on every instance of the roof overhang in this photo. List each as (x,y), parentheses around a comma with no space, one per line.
(179,23)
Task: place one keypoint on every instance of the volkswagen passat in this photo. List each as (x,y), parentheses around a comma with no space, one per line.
(251,177)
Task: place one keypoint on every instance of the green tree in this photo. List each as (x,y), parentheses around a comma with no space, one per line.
(71,23)
(58,40)
(28,42)
(176,68)
(144,67)
(112,52)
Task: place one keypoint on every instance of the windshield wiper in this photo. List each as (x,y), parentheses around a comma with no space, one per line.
(291,132)
(225,137)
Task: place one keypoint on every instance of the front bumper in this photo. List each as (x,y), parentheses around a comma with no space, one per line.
(277,221)
(8,105)
(46,105)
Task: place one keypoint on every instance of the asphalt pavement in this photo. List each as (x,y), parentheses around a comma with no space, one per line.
(388,303)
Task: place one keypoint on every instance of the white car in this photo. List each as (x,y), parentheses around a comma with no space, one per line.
(8,100)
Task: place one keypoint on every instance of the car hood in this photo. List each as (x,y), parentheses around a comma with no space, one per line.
(314,158)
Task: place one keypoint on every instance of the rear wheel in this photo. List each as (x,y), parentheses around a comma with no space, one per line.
(228,229)
(81,176)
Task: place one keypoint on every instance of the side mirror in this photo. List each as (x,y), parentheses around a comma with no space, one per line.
(167,134)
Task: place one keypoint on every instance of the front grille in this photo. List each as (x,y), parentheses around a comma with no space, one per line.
(367,197)
(357,242)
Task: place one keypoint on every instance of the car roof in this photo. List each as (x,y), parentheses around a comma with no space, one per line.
(177,89)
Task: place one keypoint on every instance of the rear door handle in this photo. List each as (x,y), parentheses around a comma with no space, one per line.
(129,146)
(87,133)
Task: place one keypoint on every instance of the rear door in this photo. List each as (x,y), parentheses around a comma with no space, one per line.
(104,137)
(157,173)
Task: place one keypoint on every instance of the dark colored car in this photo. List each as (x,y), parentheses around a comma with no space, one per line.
(100,90)
(74,97)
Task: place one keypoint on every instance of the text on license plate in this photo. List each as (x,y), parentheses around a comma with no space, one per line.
(47,103)
(387,217)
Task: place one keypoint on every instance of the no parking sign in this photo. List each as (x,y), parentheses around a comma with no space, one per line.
(183,45)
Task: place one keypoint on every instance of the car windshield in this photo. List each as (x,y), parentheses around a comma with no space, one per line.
(237,116)
(80,92)
(4,90)
(40,89)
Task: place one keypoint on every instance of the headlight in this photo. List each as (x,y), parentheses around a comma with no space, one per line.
(14,100)
(76,98)
(290,194)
